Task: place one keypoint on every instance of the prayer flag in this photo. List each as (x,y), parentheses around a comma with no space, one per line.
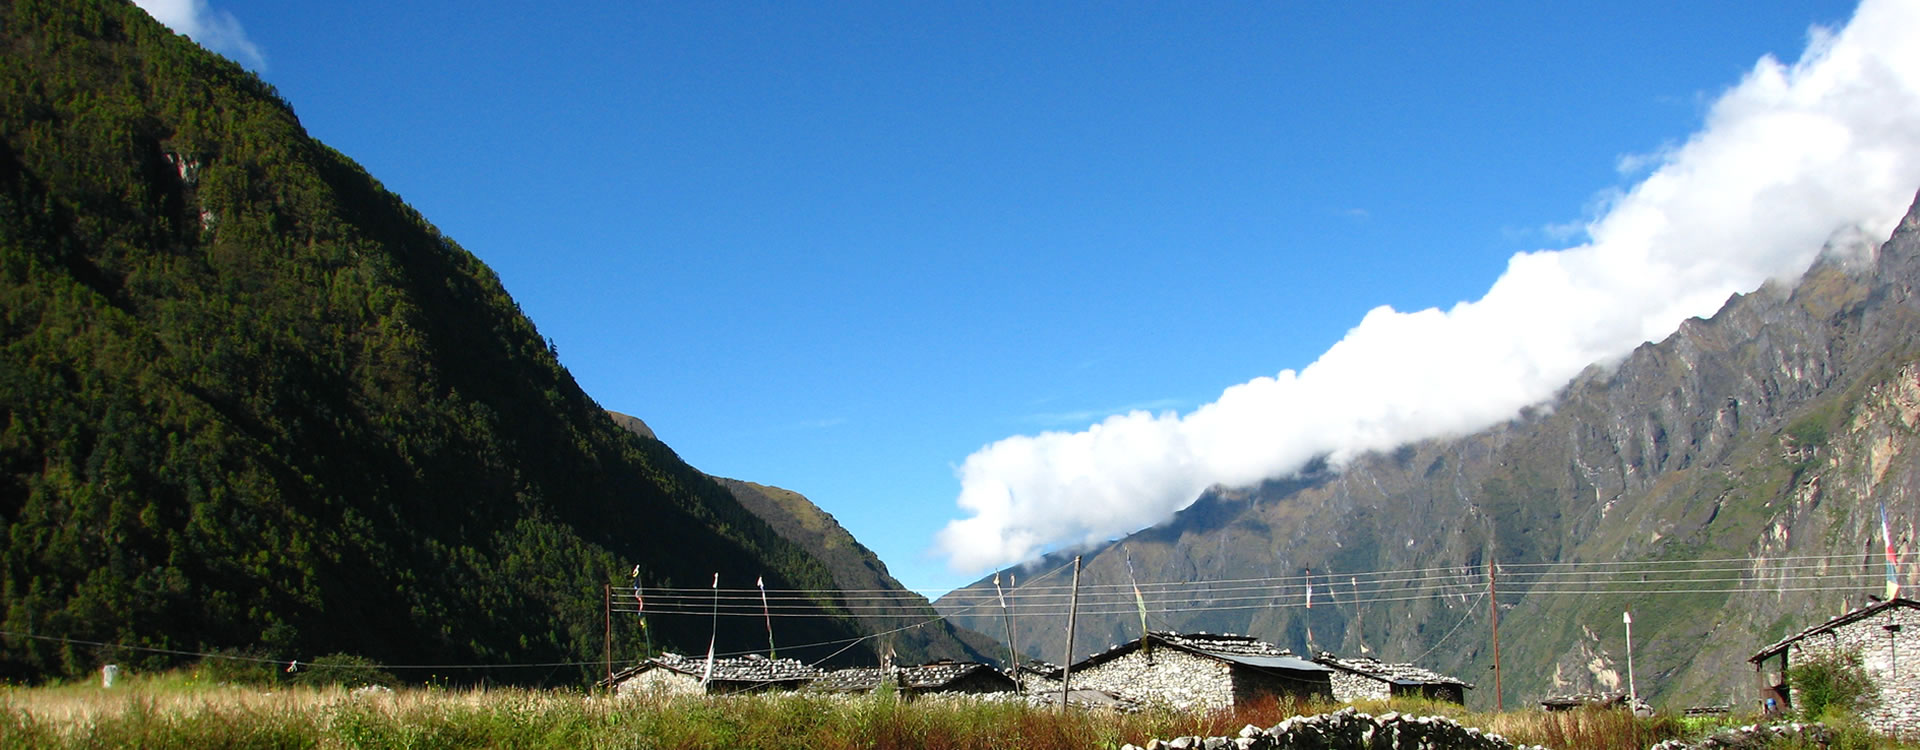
(1893,576)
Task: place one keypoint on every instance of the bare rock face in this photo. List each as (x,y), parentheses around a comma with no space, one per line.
(1723,484)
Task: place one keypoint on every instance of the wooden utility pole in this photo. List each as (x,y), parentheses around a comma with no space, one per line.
(1073,615)
(1493,611)
(607,638)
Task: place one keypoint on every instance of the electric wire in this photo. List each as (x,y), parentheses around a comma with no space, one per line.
(1034,598)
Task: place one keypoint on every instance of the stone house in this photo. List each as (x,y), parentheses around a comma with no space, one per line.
(944,676)
(1201,671)
(673,674)
(1886,636)
(1367,678)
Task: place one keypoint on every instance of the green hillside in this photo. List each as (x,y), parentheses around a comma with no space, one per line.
(251,400)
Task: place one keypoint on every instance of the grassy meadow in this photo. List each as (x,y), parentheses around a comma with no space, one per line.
(179,711)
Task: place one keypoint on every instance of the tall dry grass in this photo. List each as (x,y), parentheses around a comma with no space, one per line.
(174,713)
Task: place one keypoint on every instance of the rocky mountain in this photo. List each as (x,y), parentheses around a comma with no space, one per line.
(915,631)
(877,602)
(251,402)
(632,424)
(1723,485)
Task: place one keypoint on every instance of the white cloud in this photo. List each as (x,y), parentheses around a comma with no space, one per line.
(216,30)
(1785,159)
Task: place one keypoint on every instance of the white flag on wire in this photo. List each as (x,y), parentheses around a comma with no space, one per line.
(707,676)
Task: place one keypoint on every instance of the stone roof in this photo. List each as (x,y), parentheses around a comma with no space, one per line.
(1400,674)
(1085,698)
(925,677)
(749,668)
(939,674)
(1601,700)
(1852,616)
(1039,668)
(1221,643)
(848,680)
(1241,649)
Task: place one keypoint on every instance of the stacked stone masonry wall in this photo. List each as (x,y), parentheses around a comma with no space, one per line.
(1170,677)
(1349,687)
(1891,660)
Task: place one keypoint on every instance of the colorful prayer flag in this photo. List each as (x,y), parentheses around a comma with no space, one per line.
(1893,575)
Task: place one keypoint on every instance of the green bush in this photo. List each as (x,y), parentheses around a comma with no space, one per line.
(344,670)
(239,667)
(1832,685)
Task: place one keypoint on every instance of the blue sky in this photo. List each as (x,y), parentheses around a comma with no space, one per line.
(843,247)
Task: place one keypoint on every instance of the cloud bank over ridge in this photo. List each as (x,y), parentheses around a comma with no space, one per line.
(1787,158)
(216,30)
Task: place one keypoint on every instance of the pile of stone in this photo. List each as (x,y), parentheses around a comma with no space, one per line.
(1348,729)
(1755,737)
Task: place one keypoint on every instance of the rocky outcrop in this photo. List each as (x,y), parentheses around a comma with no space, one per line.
(1348,729)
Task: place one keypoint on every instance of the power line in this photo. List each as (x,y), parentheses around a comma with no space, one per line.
(286,662)
(1805,573)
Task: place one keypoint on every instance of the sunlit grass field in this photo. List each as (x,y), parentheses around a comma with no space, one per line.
(179,711)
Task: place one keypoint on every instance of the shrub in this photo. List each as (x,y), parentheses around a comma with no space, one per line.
(238,667)
(1832,685)
(344,670)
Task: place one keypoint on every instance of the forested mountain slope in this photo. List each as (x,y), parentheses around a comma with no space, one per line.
(251,400)
(1724,484)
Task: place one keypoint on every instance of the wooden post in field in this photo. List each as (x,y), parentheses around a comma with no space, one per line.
(1013,652)
(1493,610)
(1073,615)
(606,639)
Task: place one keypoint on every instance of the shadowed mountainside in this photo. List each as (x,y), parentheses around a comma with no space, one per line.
(876,601)
(251,401)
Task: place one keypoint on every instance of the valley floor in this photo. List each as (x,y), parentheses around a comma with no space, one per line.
(177,711)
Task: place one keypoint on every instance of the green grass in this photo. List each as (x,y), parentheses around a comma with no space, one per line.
(188,711)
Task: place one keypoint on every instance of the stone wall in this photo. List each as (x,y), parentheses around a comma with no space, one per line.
(1036,684)
(1754,735)
(1350,687)
(1892,660)
(1169,677)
